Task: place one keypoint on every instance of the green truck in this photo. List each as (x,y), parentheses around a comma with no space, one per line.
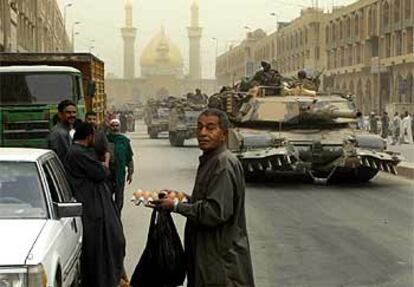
(31,86)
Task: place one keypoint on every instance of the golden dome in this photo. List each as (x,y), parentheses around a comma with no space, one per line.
(160,51)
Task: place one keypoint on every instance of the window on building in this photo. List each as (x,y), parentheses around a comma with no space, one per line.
(356,23)
(375,47)
(371,21)
(397,8)
(388,45)
(410,40)
(348,27)
(317,53)
(398,44)
(386,14)
(361,24)
(407,9)
(306,35)
(327,34)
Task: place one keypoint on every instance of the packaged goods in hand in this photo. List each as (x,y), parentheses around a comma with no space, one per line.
(148,197)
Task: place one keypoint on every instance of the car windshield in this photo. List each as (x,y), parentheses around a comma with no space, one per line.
(35,88)
(21,193)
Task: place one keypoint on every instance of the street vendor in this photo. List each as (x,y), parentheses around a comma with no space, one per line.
(216,242)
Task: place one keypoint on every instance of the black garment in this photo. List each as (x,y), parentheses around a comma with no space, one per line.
(101,143)
(59,140)
(216,242)
(103,248)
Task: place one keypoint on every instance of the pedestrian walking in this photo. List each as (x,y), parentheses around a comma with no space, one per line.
(412,126)
(396,127)
(360,120)
(130,122)
(103,245)
(123,161)
(385,125)
(373,124)
(406,132)
(216,241)
(59,139)
(124,122)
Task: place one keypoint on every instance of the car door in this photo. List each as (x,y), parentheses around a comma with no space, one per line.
(68,240)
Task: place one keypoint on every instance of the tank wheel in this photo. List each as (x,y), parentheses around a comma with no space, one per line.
(358,175)
(254,175)
(176,139)
(365,174)
(152,133)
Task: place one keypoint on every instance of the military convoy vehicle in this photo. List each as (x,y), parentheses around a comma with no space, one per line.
(182,124)
(156,114)
(281,130)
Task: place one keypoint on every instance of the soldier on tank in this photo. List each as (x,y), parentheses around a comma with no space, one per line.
(305,82)
(196,101)
(267,76)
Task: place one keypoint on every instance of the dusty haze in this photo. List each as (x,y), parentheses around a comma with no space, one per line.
(225,20)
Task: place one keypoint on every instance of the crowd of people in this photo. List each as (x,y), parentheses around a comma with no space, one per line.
(99,162)
(399,129)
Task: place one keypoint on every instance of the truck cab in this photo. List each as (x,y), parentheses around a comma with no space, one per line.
(29,96)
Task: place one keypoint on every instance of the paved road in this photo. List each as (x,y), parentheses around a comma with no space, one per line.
(406,150)
(301,234)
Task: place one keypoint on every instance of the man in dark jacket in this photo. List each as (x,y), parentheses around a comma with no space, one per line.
(216,242)
(59,139)
(103,246)
(101,141)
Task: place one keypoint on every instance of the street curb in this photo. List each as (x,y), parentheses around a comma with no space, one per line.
(406,169)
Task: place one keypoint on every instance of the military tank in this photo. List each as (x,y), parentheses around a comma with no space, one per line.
(182,123)
(156,114)
(298,131)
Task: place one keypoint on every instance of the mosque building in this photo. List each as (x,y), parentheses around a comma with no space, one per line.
(162,65)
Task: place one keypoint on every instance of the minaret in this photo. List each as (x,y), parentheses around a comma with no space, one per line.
(194,35)
(128,34)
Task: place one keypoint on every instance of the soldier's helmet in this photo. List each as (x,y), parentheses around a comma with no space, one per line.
(266,65)
(302,74)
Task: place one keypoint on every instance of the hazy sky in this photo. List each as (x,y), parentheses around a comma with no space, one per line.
(225,20)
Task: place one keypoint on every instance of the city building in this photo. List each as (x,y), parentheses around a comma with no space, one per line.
(300,44)
(370,52)
(238,62)
(32,26)
(365,48)
(161,63)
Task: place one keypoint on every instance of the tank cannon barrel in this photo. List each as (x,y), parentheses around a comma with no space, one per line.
(349,114)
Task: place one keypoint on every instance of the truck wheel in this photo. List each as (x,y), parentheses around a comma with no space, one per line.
(152,133)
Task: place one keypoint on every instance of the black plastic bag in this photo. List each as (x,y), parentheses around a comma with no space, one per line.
(162,264)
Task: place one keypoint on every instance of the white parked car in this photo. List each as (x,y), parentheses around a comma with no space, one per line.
(40,224)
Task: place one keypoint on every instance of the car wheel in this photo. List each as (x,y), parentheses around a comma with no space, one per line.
(77,281)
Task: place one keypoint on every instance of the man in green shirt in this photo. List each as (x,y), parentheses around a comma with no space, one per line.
(123,166)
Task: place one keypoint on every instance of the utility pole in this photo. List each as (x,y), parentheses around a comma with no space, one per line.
(64,24)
